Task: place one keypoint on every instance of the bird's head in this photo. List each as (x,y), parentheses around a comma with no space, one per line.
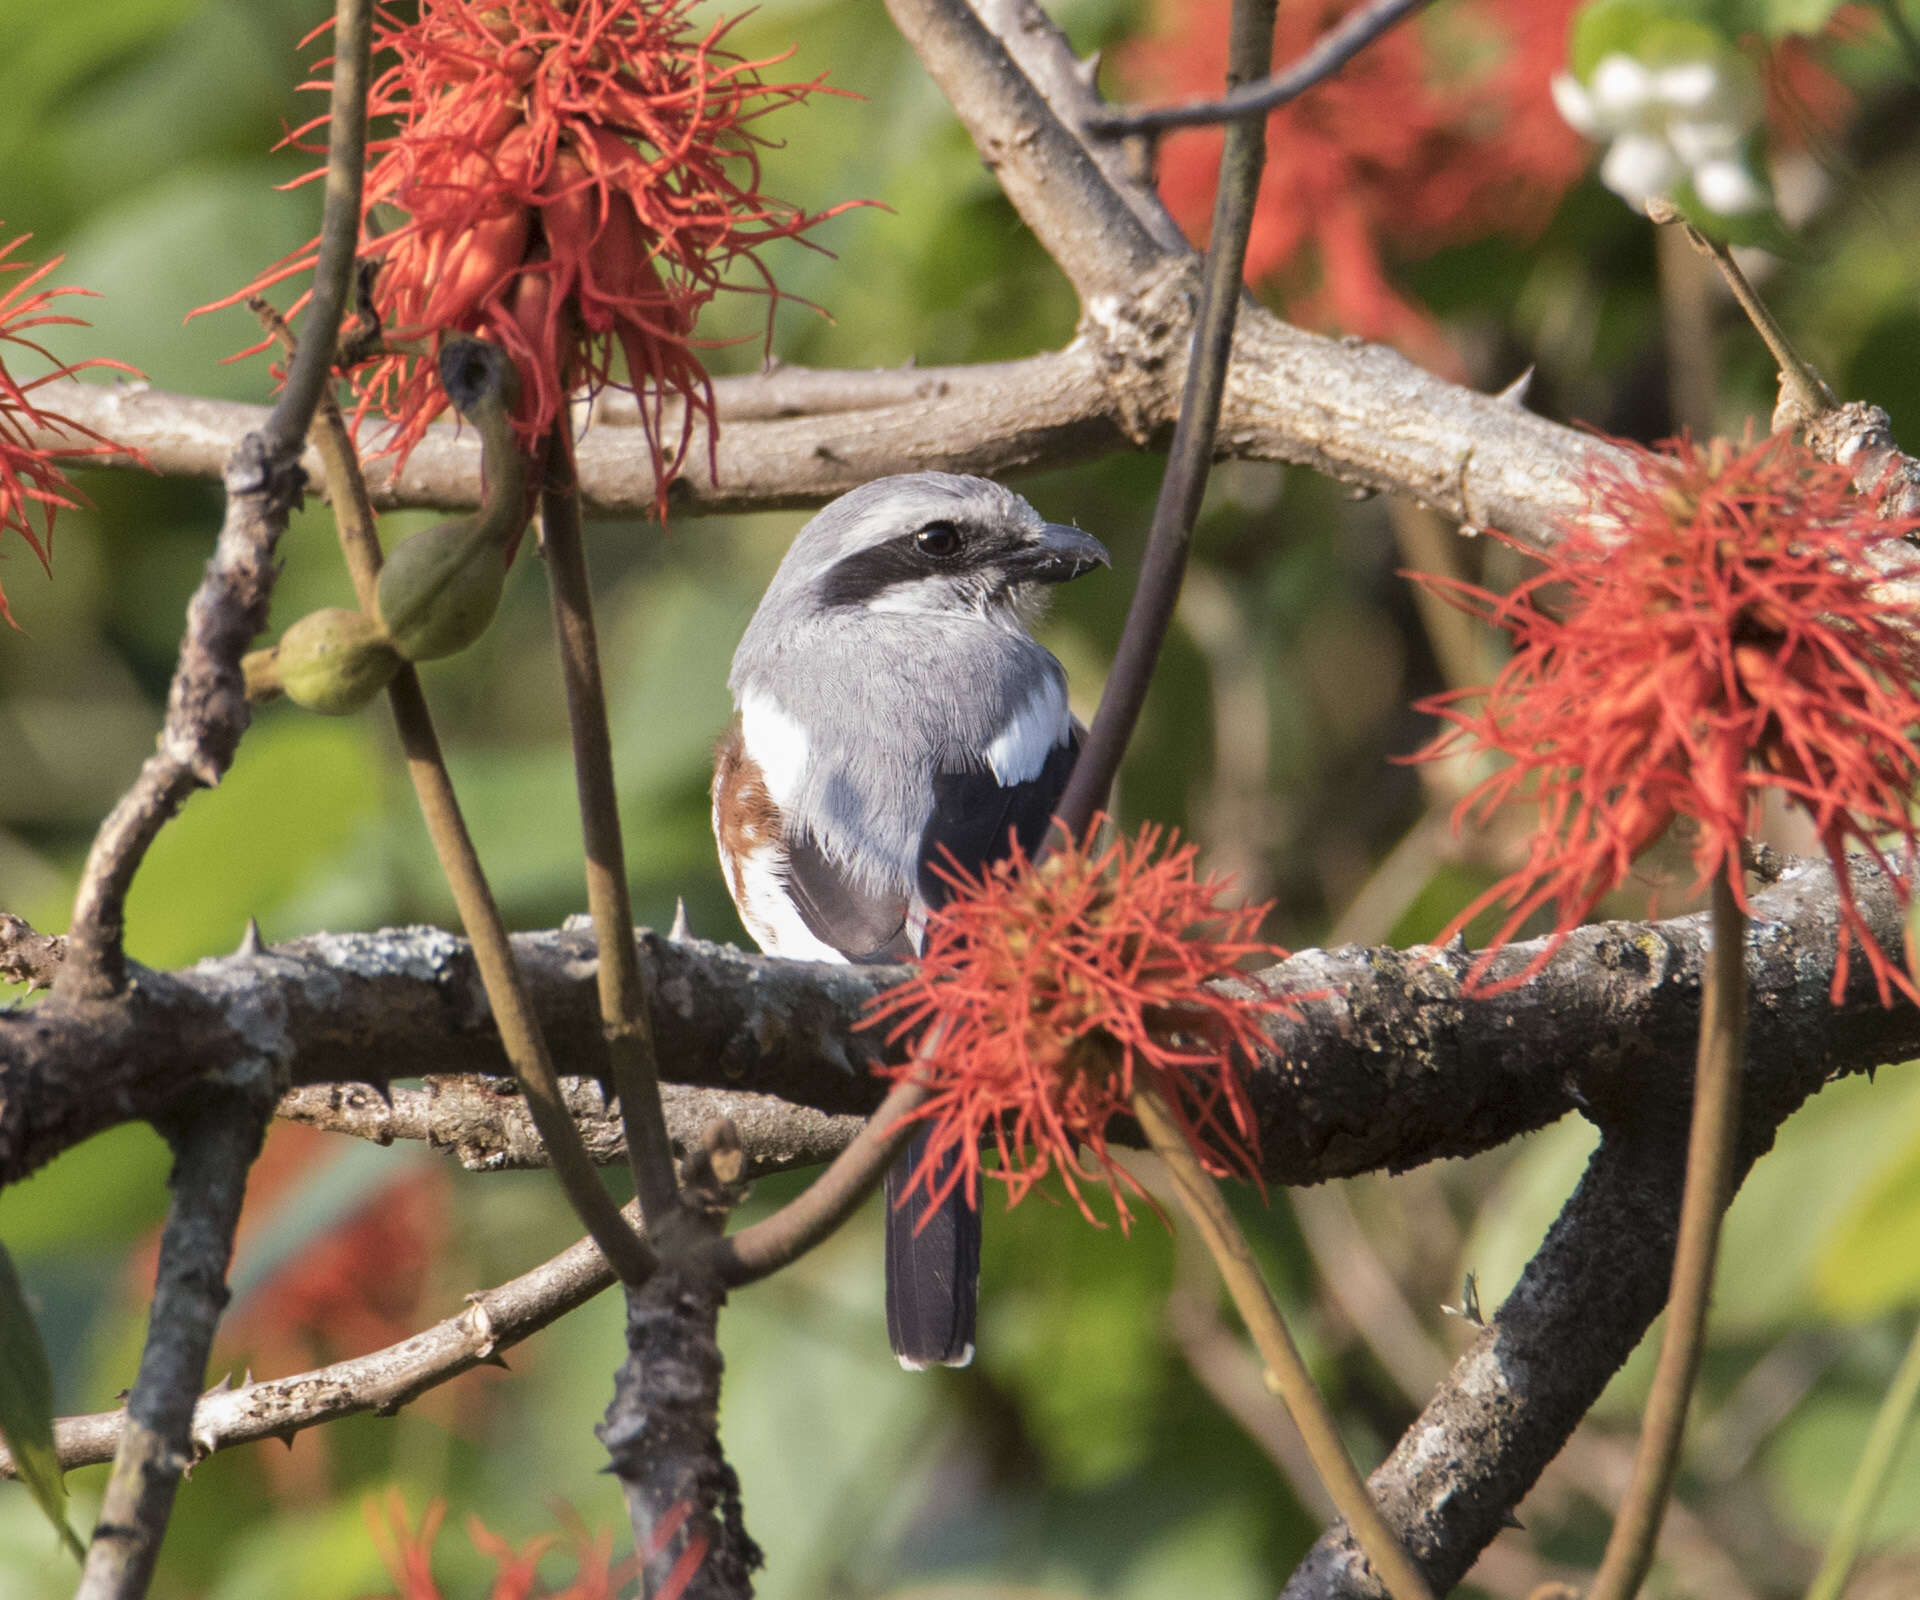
(931,544)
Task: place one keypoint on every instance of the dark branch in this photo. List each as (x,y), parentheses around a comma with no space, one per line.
(207,708)
(1395,1068)
(213,1149)
(1329,53)
(1189,458)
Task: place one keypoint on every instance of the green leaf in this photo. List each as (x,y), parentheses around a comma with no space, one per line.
(1778,18)
(1646,30)
(26,1403)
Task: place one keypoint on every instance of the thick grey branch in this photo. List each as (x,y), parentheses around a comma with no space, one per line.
(1396,1066)
(1359,413)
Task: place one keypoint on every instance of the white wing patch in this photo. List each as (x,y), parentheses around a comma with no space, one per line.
(1038,728)
(779,745)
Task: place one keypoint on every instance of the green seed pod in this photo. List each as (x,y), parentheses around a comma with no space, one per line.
(332,661)
(440,588)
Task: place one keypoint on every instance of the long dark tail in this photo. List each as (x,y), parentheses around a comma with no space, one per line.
(933,1275)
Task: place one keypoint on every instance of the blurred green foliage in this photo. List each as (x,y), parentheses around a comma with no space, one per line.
(1080,1455)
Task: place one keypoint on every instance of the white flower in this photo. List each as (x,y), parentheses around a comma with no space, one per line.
(1682,120)
(1639,168)
(1728,188)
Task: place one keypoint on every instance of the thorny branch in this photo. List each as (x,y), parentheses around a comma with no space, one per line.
(1395,1067)
(207,705)
(382,1381)
(1399,1067)
(213,1149)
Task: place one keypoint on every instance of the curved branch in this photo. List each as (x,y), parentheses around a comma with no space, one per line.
(1053,180)
(1327,55)
(207,708)
(382,1381)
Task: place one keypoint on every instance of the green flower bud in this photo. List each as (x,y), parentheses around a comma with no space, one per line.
(332,661)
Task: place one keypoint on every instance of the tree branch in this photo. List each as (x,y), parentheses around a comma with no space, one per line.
(207,708)
(1395,1067)
(1328,54)
(1190,455)
(485,1123)
(382,1381)
(1361,414)
(213,1150)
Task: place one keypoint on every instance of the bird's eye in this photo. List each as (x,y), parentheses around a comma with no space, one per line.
(938,540)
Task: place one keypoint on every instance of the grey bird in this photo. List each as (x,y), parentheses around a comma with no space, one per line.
(892,708)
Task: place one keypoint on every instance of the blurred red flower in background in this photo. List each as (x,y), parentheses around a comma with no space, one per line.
(345,1287)
(1439,132)
(1050,990)
(1708,631)
(31,474)
(408,1554)
(575,176)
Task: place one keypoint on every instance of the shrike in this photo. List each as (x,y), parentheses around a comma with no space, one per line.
(891,707)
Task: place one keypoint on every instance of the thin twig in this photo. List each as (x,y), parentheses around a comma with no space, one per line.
(213,1148)
(493,1321)
(763,1249)
(1286,1372)
(1327,55)
(310,373)
(1804,394)
(1249,53)
(520,1034)
(1870,1474)
(506,989)
(625,1007)
(1709,1185)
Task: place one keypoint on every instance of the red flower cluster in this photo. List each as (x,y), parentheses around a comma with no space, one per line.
(1707,632)
(1436,133)
(408,1554)
(575,175)
(30,473)
(1047,992)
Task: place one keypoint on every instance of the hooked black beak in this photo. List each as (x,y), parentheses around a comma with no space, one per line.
(1060,553)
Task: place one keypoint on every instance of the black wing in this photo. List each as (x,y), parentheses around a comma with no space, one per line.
(862,925)
(973,815)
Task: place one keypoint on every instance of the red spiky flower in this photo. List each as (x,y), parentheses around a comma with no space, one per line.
(575,176)
(1051,991)
(31,473)
(1708,632)
(408,1554)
